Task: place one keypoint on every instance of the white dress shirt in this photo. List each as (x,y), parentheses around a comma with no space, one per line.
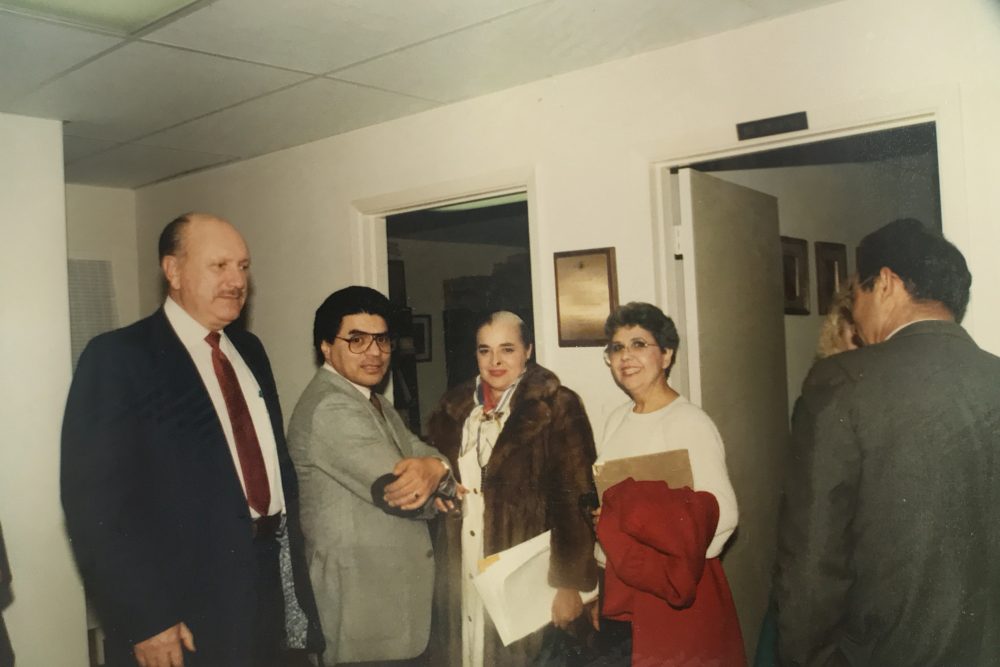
(364,391)
(192,335)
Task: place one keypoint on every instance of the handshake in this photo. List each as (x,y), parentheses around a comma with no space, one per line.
(447,491)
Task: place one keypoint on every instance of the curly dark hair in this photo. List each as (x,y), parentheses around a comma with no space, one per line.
(932,269)
(650,318)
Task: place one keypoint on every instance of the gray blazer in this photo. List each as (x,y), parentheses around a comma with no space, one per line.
(889,545)
(372,573)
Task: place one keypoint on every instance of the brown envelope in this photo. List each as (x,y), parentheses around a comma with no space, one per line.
(673,467)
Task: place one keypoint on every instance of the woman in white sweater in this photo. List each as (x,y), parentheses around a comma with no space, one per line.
(649,527)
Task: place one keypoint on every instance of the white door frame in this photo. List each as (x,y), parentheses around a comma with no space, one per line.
(939,104)
(368,231)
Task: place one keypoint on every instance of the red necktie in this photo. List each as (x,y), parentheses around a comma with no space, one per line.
(247,445)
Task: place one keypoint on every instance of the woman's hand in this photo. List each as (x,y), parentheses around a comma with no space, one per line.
(594,611)
(446,506)
(595,517)
(566,606)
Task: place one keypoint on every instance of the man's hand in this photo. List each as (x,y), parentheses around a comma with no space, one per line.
(566,606)
(417,479)
(165,649)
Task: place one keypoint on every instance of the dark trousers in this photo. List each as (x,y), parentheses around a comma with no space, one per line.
(269,621)
(268,624)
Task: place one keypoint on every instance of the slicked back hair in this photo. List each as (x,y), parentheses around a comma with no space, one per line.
(523,329)
(172,236)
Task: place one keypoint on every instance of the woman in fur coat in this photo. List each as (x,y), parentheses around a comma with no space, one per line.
(522,447)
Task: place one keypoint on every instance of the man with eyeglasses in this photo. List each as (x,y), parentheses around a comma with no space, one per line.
(889,542)
(372,571)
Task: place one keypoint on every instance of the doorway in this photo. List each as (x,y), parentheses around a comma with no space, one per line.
(830,192)
(448,267)
(836,191)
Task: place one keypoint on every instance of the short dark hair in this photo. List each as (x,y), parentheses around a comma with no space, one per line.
(523,328)
(650,318)
(347,301)
(172,235)
(931,268)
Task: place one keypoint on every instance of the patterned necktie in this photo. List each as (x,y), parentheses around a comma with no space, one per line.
(373,398)
(247,445)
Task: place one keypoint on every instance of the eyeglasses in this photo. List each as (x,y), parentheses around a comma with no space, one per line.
(360,341)
(614,351)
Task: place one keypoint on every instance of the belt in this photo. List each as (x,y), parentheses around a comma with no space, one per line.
(267,527)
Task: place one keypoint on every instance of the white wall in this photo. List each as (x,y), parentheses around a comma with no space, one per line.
(584,144)
(586,141)
(100,224)
(839,204)
(47,619)
(428,265)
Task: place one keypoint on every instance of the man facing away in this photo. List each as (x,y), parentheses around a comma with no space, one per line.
(888,545)
(175,474)
(372,572)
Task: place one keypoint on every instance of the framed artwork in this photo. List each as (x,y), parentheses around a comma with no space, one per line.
(831,272)
(422,337)
(795,275)
(586,293)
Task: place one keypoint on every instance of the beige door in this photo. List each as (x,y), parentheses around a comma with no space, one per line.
(728,295)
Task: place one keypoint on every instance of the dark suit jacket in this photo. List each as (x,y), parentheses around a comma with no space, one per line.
(889,546)
(158,520)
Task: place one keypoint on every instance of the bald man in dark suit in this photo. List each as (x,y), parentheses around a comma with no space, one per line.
(175,476)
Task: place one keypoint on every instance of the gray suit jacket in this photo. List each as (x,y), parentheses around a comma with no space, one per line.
(889,546)
(372,573)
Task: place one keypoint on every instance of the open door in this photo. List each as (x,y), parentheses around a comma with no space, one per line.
(728,298)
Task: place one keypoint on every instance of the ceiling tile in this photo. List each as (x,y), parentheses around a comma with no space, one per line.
(141,88)
(33,51)
(548,39)
(75,148)
(132,165)
(321,35)
(305,112)
(120,16)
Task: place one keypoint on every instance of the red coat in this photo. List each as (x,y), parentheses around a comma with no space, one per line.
(657,577)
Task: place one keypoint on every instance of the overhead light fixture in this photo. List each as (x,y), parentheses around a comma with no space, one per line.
(123,17)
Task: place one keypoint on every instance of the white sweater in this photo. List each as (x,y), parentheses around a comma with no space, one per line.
(679,425)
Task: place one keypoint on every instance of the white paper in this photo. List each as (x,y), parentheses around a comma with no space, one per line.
(515,589)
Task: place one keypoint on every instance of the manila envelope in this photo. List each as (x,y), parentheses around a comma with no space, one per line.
(673,467)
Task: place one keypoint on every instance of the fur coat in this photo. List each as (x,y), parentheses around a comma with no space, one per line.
(539,467)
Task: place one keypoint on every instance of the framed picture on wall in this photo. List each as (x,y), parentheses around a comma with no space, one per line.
(586,293)
(795,275)
(831,272)
(422,337)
